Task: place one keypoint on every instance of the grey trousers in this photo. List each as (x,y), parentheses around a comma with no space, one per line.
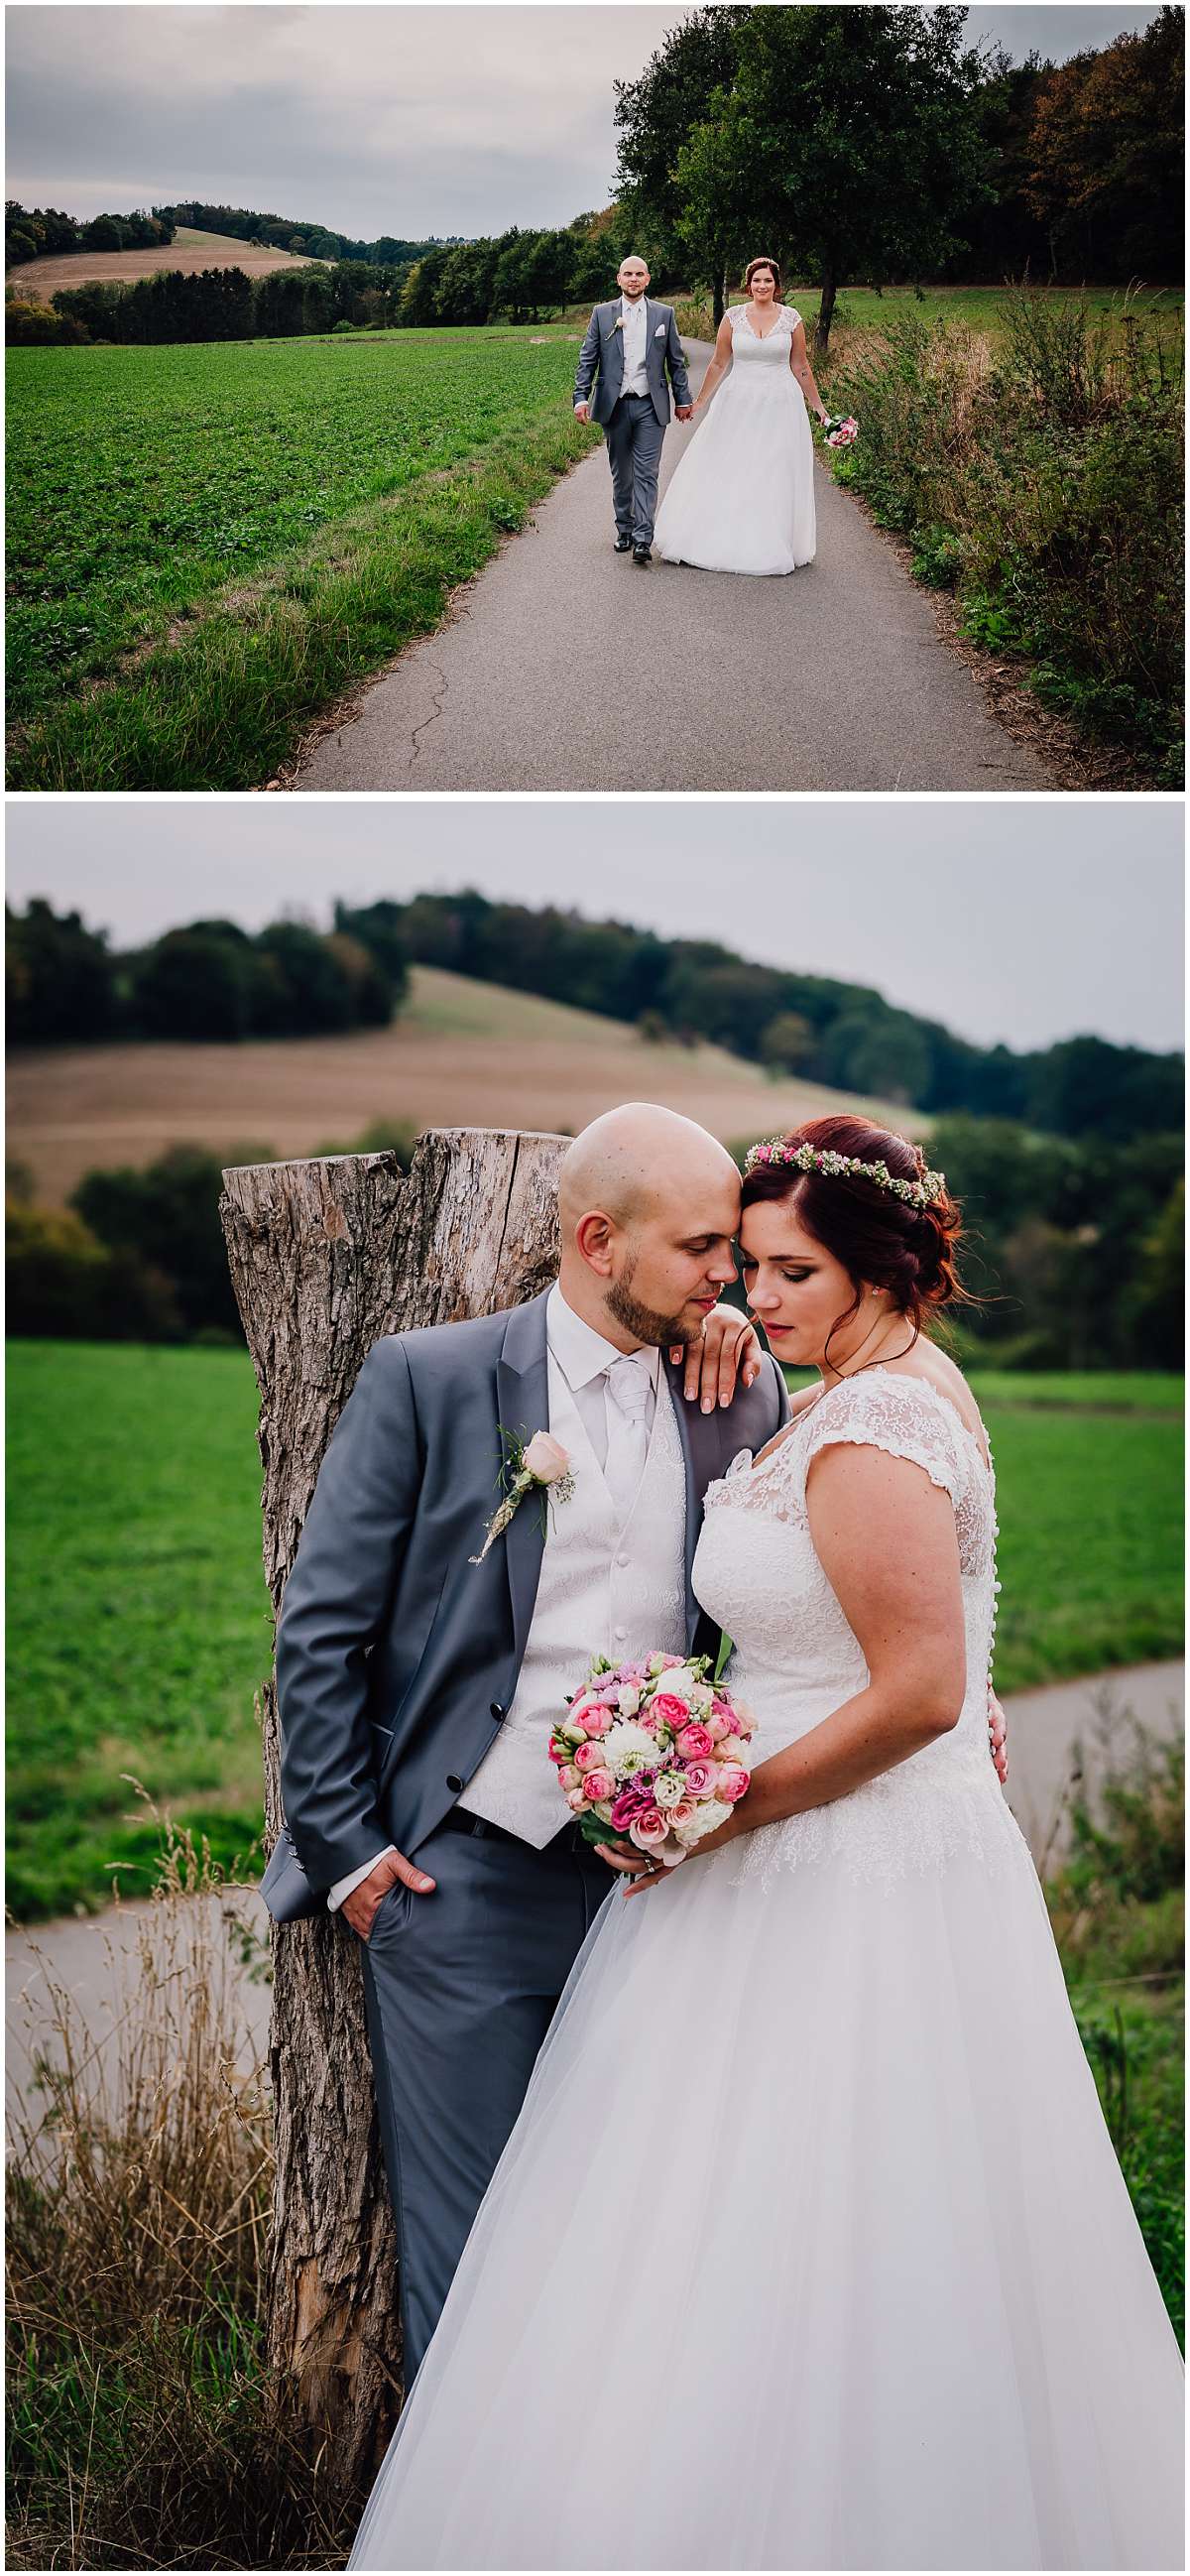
(634,438)
(460,1989)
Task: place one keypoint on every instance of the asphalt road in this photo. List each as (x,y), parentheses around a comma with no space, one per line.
(94,1958)
(563,667)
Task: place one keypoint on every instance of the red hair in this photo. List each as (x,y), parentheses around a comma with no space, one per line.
(880,1240)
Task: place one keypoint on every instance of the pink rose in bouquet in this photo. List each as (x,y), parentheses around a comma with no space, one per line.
(668,1709)
(658,1767)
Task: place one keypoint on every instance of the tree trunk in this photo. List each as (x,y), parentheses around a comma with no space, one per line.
(826,307)
(325,1257)
(719,296)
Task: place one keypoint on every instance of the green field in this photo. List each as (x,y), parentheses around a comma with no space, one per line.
(138,1621)
(207,543)
(139,1624)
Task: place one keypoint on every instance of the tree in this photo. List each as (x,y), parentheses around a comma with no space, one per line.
(193,983)
(325,1257)
(786,1042)
(1106,172)
(60,979)
(380,928)
(656,116)
(301,988)
(849,142)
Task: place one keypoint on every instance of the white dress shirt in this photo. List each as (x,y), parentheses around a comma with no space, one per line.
(619,1431)
(634,324)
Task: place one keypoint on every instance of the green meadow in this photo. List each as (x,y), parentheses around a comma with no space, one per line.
(139,1625)
(208,543)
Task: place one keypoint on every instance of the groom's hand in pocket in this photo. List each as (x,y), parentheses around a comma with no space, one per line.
(728,1355)
(363,1904)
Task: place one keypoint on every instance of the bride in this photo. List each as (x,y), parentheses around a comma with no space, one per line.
(810,2248)
(741,499)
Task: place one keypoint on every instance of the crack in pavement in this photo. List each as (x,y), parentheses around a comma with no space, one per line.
(432,718)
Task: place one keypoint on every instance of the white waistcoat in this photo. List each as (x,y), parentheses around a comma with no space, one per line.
(603,1590)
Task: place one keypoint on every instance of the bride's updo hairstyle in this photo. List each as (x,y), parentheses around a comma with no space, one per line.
(881,1241)
(750,272)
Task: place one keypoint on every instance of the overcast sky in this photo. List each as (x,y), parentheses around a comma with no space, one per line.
(1026,922)
(413,121)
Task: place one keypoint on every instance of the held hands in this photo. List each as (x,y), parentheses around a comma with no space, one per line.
(729,1353)
(363,1904)
(684,411)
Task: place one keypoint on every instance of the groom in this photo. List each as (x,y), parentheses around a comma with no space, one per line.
(630,348)
(418,1689)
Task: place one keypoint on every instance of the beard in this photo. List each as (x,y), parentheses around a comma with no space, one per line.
(643,1322)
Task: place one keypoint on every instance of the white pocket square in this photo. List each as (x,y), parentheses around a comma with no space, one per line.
(659,333)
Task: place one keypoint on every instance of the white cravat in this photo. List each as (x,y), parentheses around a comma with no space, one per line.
(631,1396)
(634,323)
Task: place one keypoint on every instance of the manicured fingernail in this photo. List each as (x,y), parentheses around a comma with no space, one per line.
(708,1404)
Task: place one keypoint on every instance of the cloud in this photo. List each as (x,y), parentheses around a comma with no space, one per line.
(406,120)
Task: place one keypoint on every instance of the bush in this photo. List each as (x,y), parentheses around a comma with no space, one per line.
(1044,484)
(166,1218)
(62,1284)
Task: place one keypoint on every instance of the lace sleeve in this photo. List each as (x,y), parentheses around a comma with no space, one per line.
(898,1414)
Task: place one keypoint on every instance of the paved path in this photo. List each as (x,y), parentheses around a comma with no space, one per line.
(564,667)
(85,1955)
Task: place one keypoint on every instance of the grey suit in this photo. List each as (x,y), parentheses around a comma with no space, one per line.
(634,425)
(397,1660)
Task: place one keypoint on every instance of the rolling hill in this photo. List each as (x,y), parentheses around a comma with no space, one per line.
(460,1054)
(189,250)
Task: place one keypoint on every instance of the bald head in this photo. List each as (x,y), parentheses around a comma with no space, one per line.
(633,1159)
(648,1204)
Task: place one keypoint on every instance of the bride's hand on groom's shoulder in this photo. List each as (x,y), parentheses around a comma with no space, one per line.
(728,1355)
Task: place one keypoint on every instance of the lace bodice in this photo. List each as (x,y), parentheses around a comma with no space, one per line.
(796,1659)
(758,358)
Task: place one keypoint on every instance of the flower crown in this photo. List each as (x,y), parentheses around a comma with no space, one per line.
(920,1193)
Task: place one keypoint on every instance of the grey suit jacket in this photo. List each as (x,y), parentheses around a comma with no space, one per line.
(397,1659)
(601,360)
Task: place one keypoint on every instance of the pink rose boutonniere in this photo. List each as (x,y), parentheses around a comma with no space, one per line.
(538,1465)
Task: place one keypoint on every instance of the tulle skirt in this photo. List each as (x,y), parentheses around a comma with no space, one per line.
(741,498)
(809,2250)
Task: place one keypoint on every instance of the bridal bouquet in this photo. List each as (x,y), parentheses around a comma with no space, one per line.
(840,431)
(650,1755)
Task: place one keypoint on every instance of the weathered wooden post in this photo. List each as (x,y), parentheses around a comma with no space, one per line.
(325,1257)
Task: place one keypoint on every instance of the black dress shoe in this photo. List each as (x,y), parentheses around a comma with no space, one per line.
(622,545)
(641,555)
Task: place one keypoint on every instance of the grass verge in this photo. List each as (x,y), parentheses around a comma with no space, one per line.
(1038,476)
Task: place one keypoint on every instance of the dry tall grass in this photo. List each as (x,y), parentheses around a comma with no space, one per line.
(144,2430)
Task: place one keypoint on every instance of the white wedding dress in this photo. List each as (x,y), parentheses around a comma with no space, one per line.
(810,2248)
(741,498)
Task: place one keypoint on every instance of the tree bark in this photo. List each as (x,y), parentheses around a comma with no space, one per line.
(326,1257)
(826,307)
